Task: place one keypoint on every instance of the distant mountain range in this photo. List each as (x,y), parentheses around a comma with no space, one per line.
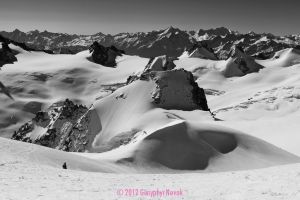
(171,41)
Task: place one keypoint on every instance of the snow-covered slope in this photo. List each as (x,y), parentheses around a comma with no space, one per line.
(37,80)
(283,58)
(26,174)
(264,104)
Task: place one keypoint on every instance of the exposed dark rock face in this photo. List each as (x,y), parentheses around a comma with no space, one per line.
(105,55)
(5,90)
(177,89)
(239,63)
(262,55)
(6,55)
(64,126)
(199,96)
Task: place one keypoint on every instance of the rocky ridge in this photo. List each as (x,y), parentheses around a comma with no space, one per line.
(64,125)
(171,41)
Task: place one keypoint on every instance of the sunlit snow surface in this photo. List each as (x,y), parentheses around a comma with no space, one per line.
(257,128)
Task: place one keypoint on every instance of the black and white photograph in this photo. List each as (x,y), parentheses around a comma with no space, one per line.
(149,99)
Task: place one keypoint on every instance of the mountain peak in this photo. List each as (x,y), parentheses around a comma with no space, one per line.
(236,50)
(34,32)
(17,31)
(172,29)
(99,34)
(215,31)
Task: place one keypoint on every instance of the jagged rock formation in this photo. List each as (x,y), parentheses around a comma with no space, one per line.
(201,49)
(171,41)
(64,126)
(176,89)
(105,55)
(239,63)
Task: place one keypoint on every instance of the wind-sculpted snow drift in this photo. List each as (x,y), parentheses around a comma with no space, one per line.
(191,146)
(144,115)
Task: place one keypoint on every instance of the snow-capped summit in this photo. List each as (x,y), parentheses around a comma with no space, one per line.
(216,31)
(239,63)
(202,50)
(170,30)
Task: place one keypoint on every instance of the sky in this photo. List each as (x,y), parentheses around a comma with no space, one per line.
(279,17)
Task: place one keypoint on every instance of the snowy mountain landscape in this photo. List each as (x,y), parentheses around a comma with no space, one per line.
(144,100)
(116,116)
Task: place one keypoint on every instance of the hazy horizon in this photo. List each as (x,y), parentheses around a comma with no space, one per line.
(116,16)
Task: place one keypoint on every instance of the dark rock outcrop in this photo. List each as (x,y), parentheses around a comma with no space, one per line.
(262,55)
(105,55)
(5,90)
(64,126)
(177,89)
(6,55)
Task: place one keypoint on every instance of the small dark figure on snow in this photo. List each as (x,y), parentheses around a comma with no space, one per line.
(64,165)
